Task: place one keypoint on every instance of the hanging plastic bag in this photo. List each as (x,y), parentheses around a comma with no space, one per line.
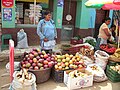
(22,39)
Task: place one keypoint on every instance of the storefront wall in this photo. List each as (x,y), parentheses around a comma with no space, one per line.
(82,23)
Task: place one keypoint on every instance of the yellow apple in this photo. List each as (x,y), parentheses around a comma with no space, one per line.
(66,68)
(71,62)
(59,60)
(60,67)
(67,59)
(71,56)
(63,60)
(66,63)
(56,66)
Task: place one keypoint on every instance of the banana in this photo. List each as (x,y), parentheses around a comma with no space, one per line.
(116,54)
(117,50)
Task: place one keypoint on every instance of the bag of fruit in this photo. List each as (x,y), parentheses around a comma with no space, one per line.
(23,81)
(98,73)
(101,58)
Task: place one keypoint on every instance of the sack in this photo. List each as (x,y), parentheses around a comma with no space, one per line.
(49,45)
(98,72)
(27,85)
(22,39)
(101,58)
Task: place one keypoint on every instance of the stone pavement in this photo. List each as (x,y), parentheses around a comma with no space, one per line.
(50,84)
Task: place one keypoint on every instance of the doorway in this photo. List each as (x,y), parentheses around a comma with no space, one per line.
(68,25)
(100,16)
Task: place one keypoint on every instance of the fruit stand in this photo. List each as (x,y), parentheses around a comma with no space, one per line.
(77,68)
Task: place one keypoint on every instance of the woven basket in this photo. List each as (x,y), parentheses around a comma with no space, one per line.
(115,59)
(41,75)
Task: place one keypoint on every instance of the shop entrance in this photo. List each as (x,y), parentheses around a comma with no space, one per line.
(100,16)
(69,16)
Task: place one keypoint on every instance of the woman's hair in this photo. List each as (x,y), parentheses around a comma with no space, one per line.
(107,18)
(113,26)
(47,12)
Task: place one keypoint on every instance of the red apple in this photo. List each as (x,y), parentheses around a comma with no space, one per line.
(45,56)
(50,64)
(38,57)
(34,49)
(48,59)
(24,59)
(26,62)
(41,60)
(35,54)
(31,56)
(41,56)
(33,64)
(22,62)
(31,67)
(28,58)
(40,53)
(52,59)
(30,61)
(48,54)
(53,56)
(45,62)
(39,64)
(36,68)
(46,66)
(77,63)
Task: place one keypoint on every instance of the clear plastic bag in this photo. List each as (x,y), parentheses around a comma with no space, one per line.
(22,39)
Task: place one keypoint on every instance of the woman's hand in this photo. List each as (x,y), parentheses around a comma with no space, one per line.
(45,39)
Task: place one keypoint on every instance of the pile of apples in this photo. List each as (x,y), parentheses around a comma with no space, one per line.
(67,61)
(37,60)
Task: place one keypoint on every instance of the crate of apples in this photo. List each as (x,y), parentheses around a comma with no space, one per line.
(68,61)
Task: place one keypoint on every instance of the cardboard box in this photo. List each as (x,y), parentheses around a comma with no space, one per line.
(79,82)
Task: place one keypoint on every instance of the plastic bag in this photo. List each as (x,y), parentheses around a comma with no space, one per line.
(27,85)
(50,44)
(98,72)
(22,39)
(101,58)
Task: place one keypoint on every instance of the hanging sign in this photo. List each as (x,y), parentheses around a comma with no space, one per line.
(7,14)
(7,3)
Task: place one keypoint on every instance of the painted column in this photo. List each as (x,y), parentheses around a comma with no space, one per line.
(57,17)
(111,15)
(85,17)
(58,13)
(8,13)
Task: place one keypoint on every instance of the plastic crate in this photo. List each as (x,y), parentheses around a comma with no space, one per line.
(58,76)
(112,75)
